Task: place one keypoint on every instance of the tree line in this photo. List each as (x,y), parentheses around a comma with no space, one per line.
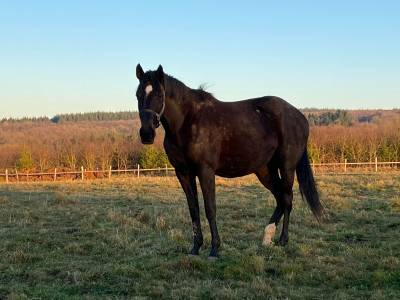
(77,117)
(316,117)
(338,117)
(95,116)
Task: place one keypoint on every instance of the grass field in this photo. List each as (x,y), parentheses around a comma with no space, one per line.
(128,238)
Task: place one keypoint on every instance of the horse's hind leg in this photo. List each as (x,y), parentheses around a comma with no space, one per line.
(269,177)
(287,178)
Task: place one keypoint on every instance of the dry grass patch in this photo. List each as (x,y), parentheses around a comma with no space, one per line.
(4,200)
(396,204)
(19,256)
(123,220)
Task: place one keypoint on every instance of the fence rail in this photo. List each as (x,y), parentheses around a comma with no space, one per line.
(349,167)
(82,174)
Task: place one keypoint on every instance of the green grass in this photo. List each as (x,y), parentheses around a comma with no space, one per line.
(128,238)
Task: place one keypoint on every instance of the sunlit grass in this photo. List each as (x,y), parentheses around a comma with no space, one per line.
(128,237)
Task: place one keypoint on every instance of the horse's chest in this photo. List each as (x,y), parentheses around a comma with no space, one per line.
(203,142)
(175,154)
(192,151)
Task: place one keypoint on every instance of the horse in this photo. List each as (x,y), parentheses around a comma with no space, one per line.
(205,137)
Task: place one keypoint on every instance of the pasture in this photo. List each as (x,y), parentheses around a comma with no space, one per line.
(128,238)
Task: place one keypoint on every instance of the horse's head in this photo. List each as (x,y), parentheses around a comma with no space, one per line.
(151,97)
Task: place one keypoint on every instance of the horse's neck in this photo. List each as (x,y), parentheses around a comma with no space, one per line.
(177,105)
(181,102)
(173,117)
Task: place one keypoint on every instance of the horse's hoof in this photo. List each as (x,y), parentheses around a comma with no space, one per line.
(283,242)
(213,254)
(193,252)
(267,245)
(212,258)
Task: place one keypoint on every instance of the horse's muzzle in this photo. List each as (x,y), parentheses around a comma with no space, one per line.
(147,135)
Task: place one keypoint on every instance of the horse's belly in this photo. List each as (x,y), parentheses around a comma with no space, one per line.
(245,158)
(233,172)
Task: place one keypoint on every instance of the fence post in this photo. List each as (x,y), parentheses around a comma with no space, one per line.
(6,175)
(345,165)
(138,170)
(376,164)
(166,170)
(16,173)
(109,173)
(55,174)
(82,175)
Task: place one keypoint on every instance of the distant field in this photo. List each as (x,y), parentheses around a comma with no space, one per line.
(96,141)
(128,237)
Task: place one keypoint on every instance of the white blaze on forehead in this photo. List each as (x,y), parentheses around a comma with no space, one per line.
(148,89)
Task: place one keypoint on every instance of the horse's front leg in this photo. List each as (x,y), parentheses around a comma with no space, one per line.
(207,182)
(188,183)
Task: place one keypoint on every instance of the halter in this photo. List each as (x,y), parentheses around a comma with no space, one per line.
(158,115)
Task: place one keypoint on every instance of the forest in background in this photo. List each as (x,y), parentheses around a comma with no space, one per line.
(100,139)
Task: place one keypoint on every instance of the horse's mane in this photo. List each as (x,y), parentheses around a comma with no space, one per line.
(178,88)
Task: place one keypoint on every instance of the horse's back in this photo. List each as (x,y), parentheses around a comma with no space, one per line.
(244,138)
(281,119)
(278,114)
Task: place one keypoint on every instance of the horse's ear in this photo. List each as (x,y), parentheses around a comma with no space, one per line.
(139,71)
(160,74)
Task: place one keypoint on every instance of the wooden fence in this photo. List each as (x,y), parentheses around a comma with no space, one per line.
(82,174)
(355,167)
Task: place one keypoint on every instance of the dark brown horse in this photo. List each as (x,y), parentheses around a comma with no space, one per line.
(205,137)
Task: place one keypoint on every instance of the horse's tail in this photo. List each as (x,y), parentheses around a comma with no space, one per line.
(307,186)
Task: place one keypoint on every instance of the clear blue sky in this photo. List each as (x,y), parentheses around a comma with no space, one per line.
(73,56)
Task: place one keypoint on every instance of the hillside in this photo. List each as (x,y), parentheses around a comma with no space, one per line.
(98,140)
